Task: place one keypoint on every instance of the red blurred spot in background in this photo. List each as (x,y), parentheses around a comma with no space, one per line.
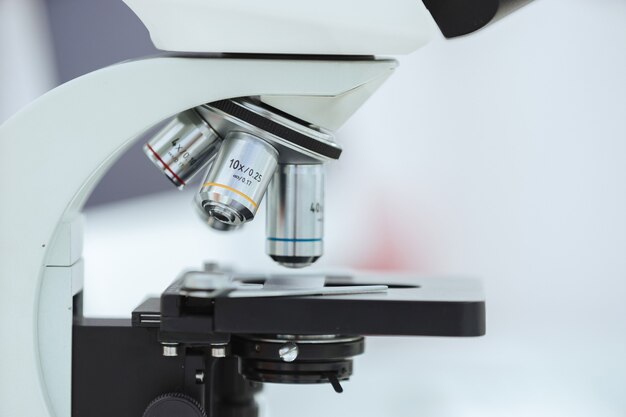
(390,246)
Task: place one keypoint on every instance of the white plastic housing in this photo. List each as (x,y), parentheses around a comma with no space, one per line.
(58,148)
(326,27)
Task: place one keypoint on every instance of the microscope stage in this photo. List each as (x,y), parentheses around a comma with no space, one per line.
(410,306)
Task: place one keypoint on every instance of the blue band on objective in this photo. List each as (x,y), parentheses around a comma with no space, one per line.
(278,239)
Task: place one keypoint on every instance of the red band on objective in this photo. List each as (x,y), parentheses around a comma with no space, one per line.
(156,155)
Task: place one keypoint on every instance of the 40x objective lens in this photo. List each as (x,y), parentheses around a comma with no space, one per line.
(183,147)
(295,215)
(235,184)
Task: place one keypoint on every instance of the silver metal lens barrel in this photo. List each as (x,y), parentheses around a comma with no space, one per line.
(183,147)
(295,216)
(235,184)
(215,224)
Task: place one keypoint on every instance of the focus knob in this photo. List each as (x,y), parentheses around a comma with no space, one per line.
(174,405)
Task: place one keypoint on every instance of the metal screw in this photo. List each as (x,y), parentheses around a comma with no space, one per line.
(288,352)
(170,349)
(218,351)
(199,377)
(211,266)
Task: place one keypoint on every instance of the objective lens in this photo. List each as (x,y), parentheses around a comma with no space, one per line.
(235,184)
(295,217)
(215,224)
(183,147)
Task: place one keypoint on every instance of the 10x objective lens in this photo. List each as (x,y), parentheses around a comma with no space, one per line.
(235,184)
(183,147)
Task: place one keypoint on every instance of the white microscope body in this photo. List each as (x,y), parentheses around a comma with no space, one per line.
(58,147)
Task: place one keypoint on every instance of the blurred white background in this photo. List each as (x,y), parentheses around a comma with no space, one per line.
(500,155)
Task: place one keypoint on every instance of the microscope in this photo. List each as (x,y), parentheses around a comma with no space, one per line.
(254,92)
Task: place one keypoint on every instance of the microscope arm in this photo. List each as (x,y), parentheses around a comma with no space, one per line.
(57,148)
